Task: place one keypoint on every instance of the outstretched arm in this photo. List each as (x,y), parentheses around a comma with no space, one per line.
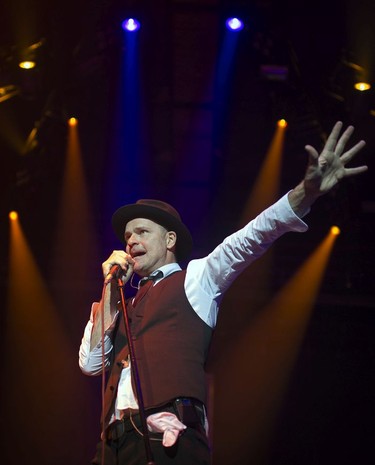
(326,169)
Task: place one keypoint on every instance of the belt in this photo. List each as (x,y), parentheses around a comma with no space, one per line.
(189,411)
(119,427)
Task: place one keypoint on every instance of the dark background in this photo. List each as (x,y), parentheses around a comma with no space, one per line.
(205,144)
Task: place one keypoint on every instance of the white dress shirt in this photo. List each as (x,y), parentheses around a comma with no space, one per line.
(206,281)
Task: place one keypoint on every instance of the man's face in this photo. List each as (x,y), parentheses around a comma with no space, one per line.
(149,244)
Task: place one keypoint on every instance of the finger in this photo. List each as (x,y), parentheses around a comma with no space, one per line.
(313,154)
(129,263)
(128,273)
(118,257)
(332,138)
(343,140)
(347,156)
(355,171)
(106,267)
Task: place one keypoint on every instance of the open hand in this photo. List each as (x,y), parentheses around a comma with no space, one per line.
(324,171)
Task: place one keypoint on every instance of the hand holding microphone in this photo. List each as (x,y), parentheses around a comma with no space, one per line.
(119,264)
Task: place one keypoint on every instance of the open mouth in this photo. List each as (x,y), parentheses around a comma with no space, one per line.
(137,254)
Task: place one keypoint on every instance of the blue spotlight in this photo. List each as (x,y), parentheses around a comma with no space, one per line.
(131,24)
(234,24)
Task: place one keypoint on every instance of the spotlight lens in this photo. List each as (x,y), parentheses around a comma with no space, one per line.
(73,121)
(131,25)
(282,123)
(335,230)
(234,24)
(362,86)
(13,215)
(27,64)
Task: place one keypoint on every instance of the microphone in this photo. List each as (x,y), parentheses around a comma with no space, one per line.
(114,272)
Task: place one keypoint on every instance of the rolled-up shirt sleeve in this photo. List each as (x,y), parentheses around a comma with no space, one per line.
(91,361)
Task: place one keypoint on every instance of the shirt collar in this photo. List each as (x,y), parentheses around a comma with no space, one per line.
(167,270)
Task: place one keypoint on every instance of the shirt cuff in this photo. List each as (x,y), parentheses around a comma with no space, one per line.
(295,221)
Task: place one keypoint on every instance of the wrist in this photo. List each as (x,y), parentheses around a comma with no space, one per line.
(301,198)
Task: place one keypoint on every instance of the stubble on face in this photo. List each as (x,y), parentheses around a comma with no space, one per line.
(146,243)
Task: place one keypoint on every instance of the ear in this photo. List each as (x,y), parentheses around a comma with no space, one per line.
(171,238)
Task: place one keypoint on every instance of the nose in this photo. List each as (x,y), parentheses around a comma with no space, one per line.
(131,240)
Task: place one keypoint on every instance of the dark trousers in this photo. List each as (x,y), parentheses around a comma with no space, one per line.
(191,448)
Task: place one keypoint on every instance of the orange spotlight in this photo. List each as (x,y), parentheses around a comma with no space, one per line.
(37,335)
(335,230)
(73,121)
(362,86)
(27,64)
(266,186)
(13,215)
(282,123)
(265,353)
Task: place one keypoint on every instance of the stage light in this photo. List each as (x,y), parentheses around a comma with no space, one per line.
(7,92)
(362,86)
(72,121)
(234,24)
(282,123)
(131,24)
(27,64)
(13,215)
(28,56)
(335,230)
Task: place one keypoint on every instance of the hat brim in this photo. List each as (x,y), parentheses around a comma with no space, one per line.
(127,213)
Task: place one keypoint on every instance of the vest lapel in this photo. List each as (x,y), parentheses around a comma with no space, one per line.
(145,285)
(142,291)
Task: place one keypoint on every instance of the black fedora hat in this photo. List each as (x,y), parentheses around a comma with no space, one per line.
(159,212)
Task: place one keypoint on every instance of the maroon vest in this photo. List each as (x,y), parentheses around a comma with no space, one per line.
(170,343)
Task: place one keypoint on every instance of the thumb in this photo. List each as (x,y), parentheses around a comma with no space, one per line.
(313,154)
